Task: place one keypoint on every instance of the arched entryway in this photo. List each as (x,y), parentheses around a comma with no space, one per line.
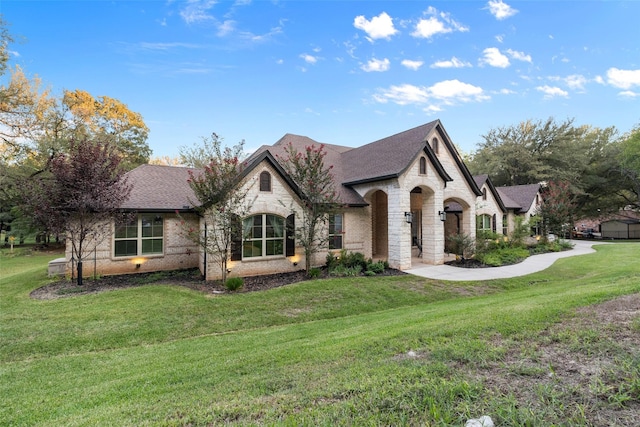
(458,220)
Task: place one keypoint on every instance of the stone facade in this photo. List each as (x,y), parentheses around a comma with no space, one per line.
(178,252)
(395,194)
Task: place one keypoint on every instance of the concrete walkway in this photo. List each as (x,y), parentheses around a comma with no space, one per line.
(530,265)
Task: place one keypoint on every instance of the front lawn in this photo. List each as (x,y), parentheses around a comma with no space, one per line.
(347,351)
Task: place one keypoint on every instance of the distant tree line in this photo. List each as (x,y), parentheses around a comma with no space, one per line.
(597,169)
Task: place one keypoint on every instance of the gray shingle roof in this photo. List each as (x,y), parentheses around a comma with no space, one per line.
(519,197)
(159,188)
(387,157)
(333,158)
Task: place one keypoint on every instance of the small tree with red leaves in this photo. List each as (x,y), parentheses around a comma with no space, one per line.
(557,208)
(222,202)
(80,195)
(320,199)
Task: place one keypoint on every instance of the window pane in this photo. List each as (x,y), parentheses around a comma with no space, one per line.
(275,226)
(126,248)
(335,242)
(252,248)
(275,247)
(151,226)
(127,231)
(152,246)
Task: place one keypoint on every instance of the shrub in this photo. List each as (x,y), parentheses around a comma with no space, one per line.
(342,271)
(234,283)
(375,268)
(332,261)
(503,256)
(461,244)
(314,272)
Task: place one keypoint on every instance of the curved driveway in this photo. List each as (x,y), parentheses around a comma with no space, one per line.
(530,265)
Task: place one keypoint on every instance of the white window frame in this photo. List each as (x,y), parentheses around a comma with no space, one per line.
(336,234)
(140,239)
(266,236)
(480,223)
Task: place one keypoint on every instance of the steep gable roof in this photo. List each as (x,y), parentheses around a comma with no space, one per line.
(159,188)
(481,180)
(333,158)
(389,157)
(519,197)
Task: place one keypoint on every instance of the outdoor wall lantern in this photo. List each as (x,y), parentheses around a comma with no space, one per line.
(408,216)
(443,215)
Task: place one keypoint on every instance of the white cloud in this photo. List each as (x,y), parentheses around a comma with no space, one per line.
(448,92)
(437,23)
(457,90)
(552,92)
(494,58)
(629,94)
(309,59)
(412,65)
(451,63)
(376,65)
(520,56)
(623,79)
(227,27)
(576,81)
(403,95)
(197,11)
(500,10)
(379,27)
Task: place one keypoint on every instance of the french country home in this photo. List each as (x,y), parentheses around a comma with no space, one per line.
(401,196)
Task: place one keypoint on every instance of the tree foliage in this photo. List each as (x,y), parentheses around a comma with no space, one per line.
(557,208)
(80,196)
(222,201)
(36,127)
(629,156)
(541,151)
(320,199)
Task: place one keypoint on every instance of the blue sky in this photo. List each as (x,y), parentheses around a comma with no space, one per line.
(341,72)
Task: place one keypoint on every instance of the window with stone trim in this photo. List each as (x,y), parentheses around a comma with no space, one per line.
(483,223)
(263,236)
(335,231)
(423,166)
(435,145)
(265,181)
(144,235)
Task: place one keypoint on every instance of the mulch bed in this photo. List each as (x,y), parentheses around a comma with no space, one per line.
(188,278)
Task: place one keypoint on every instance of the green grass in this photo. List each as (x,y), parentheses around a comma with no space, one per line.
(323,352)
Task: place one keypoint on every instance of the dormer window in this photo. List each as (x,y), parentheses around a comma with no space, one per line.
(265,181)
(423,166)
(435,145)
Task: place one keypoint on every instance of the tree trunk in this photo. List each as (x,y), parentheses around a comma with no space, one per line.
(79,273)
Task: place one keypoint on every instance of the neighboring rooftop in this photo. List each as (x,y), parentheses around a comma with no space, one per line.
(519,196)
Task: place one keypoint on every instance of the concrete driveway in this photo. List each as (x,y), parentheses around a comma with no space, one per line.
(530,265)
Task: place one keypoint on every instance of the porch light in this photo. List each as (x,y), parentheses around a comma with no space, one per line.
(442,215)
(408,216)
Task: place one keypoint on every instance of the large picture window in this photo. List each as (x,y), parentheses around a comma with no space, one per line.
(141,236)
(263,235)
(335,231)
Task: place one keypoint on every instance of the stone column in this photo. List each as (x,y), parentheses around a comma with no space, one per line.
(399,229)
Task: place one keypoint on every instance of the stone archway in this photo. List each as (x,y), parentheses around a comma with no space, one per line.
(458,220)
